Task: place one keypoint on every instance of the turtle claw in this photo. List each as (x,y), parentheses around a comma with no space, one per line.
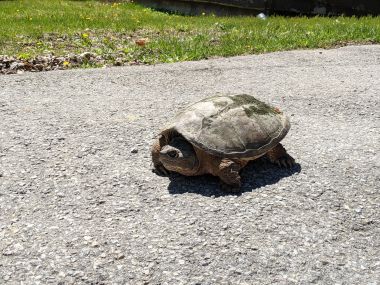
(160,170)
(285,161)
(279,156)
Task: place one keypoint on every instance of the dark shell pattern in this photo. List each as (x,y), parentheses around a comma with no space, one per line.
(235,126)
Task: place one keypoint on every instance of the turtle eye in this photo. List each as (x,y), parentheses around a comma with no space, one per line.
(172,154)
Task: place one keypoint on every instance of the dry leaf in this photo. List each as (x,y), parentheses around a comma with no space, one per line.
(141,42)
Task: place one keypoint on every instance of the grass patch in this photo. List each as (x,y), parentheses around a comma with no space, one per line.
(31,28)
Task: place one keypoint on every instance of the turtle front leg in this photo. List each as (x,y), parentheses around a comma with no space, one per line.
(156,148)
(279,156)
(229,175)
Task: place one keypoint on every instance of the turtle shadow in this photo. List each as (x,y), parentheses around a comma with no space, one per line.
(256,174)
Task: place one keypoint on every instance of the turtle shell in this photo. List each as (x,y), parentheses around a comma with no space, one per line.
(236,126)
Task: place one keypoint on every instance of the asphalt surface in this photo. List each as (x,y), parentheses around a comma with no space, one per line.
(80,205)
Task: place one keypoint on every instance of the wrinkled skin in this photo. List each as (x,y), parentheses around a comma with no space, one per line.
(171,152)
(179,156)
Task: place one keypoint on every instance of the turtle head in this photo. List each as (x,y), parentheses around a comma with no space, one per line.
(179,156)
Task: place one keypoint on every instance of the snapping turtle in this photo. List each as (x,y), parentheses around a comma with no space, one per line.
(219,135)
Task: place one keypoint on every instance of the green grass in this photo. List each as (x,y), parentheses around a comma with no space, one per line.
(30,28)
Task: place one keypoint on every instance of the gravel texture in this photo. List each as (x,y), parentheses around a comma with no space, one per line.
(80,205)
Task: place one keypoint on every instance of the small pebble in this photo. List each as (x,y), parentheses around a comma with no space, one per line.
(120,256)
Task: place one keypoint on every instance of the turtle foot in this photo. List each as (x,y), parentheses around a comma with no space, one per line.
(285,161)
(160,170)
(229,176)
(279,156)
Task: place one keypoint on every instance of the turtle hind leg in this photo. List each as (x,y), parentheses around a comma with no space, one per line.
(279,156)
(229,176)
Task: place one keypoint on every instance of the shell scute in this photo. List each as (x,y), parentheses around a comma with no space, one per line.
(236,126)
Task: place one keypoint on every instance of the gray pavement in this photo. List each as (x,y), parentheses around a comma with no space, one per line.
(80,205)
